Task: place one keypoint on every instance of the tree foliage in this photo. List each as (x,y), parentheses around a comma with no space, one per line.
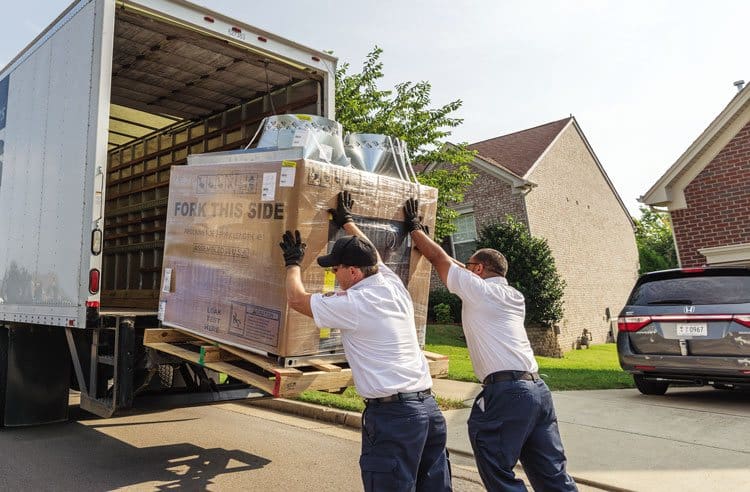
(405,112)
(531,269)
(653,235)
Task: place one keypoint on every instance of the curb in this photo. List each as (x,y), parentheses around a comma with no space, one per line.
(354,420)
(309,410)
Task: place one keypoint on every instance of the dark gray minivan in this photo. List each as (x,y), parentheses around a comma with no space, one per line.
(687,326)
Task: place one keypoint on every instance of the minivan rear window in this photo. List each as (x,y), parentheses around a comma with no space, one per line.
(692,290)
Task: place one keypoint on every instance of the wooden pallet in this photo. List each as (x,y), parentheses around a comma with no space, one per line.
(263,372)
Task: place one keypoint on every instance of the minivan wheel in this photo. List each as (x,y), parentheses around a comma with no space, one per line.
(648,387)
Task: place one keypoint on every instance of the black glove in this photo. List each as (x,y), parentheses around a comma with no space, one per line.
(342,214)
(293,248)
(412,220)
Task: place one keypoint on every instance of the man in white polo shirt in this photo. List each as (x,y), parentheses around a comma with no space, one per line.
(513,417)
(403,430)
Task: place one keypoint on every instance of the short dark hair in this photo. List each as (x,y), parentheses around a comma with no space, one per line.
(368,271)
(492,260)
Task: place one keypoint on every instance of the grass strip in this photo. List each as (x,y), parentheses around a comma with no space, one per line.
(594,368)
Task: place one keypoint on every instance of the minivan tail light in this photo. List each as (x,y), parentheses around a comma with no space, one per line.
(743,319)
(632,323)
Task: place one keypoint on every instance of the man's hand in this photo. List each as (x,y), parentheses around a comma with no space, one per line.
(293,248)
(342,214)
(412,220)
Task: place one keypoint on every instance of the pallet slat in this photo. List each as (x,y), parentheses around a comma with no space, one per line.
(261,382)
(324,366)
(282,382)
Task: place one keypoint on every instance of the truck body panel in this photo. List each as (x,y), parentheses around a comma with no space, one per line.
(99,107)
(47,173)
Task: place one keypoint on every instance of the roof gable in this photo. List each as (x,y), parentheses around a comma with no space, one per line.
(486,165)
(518,151)
(670,187)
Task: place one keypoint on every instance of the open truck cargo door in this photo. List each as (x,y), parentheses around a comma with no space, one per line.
(99,107)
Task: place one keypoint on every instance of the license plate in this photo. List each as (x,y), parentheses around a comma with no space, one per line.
(692,330)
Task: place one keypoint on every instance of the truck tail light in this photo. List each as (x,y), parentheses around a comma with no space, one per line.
(93,281)
(632,323)
(743,319)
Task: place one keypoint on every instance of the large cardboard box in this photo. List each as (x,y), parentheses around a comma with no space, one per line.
(224,274)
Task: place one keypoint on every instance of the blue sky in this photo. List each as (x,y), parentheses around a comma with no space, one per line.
(643,78)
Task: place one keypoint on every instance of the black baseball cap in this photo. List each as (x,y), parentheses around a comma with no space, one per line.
(350,251)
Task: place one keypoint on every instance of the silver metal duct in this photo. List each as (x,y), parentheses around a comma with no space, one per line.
(374,153)
(320,137)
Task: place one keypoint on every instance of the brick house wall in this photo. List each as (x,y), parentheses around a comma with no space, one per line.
(492,199)
(572,205)
(718,203)
(590,234)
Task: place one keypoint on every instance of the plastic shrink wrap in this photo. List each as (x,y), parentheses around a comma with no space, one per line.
(223,272)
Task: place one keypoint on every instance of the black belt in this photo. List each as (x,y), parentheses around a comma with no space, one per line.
(416,395)
(499,376)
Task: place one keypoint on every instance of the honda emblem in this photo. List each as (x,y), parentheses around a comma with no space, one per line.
(689,309)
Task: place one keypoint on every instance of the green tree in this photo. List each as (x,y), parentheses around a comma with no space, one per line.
(405,112)
(531,269)
(653,235)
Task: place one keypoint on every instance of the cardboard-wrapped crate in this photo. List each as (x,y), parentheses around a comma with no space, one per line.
(223,275)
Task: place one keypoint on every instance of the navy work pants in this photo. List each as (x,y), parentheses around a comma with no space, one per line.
(513,420)
(403,447)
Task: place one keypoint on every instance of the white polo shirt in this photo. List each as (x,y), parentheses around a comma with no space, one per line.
(492,316)
(376,319)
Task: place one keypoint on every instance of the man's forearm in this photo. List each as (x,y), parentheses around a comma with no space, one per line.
(352,229)
(429,248)
(296,295)
(434,253)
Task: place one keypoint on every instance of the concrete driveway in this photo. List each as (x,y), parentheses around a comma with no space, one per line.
(691,439)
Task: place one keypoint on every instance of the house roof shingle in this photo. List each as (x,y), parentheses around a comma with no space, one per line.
(520,150)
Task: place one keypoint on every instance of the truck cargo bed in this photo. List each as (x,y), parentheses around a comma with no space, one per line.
(176,92)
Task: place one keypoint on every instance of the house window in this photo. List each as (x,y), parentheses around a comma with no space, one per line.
(464,240)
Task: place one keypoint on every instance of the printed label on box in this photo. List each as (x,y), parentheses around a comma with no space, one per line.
(167,285)
(300,138)
(255,323)
(288,171)
(238,184)
(269,187)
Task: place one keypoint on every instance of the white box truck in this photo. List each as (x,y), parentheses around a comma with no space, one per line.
(93,114)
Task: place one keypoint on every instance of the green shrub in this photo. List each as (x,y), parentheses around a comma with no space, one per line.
(531,269)
(443,314)
(442,296)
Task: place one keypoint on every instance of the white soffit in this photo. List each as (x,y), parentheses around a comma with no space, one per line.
(668,191)
(731,254)
(497,170)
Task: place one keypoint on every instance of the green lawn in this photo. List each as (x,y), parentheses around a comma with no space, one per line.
(593,368)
